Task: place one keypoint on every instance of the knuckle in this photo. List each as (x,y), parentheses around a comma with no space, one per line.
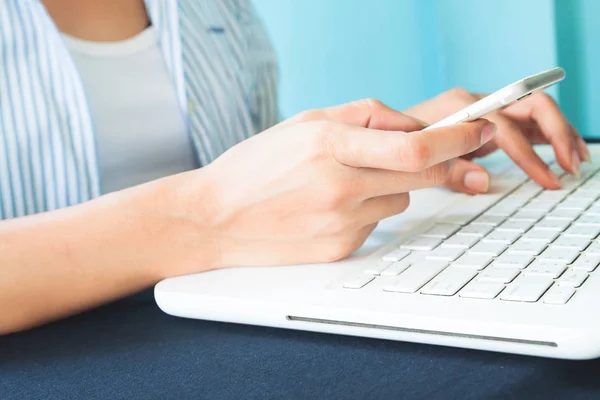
(415,153)
(373,103)
(322,135)
(438,174)
(470,136)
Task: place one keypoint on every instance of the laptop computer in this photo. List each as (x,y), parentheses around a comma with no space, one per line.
(511,271)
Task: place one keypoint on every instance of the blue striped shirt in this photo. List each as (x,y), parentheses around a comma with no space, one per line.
(219,59)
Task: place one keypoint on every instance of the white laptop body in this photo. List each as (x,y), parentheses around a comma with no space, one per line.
(313,297)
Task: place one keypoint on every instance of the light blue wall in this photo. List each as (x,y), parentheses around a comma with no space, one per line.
(404,51)
(578,27)
(331,51)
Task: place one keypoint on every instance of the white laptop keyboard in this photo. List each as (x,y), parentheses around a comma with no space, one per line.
(523,244)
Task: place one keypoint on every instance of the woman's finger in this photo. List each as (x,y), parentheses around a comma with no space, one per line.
(468,177)
(520,150)
(377,208)
(580,144)
(398,151)
(367,183)
(543,110)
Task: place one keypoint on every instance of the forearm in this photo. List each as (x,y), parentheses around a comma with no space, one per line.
(60,263)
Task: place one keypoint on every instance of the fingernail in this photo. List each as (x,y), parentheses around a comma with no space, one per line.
(587,157)
(477,181)
(487,132)
(575,164)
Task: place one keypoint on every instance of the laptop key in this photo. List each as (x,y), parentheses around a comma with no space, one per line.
(422,243)
(475,230)
(574,204)
(515,226)
(565,255)
(497,275)
(531,215)
(540,235)
(552,195)
(559,295)
(526,288)
(508,260)
(593,250)
(583,231)
(488,249)
(396,255)
(586,262)
(558,225)
(415,277)
(444,254)
(550,269)
(569,215)
(461,242)
(588,220)
(571,242)
(396,268)
(593,210)
(473,261)
(543,206)
(573,278)
(449,281)
(442,231)
(584,193)
(357,283)
(481,290)
(377,268)
(498,236)
(523,247)
(492,220)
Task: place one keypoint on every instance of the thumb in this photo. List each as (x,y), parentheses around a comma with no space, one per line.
(468,177)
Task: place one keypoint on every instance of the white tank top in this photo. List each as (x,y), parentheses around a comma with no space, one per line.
(140,129)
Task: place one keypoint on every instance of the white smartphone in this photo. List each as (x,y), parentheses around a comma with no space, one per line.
(503,97)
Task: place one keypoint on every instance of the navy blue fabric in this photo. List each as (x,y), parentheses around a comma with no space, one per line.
(130,350)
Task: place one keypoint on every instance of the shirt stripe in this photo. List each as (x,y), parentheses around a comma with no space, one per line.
(219,59)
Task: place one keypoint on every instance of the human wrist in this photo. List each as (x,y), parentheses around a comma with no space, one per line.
(177,219)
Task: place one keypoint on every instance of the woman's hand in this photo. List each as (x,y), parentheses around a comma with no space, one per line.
(311,189)
(308,190)
(533,120)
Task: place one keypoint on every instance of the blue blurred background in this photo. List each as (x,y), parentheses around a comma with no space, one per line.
(405,51)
